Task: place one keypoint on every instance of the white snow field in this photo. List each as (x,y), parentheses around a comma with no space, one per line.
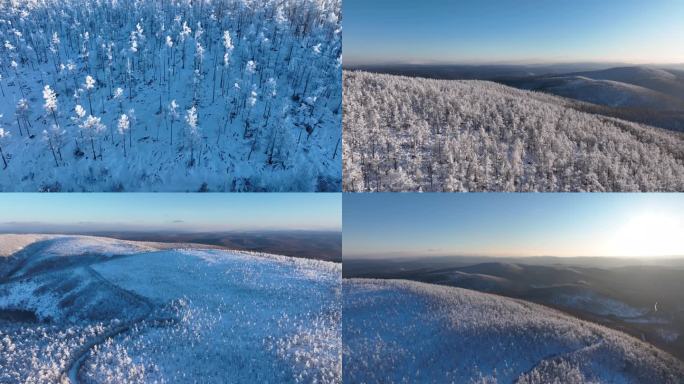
(91,310)
(397,331)
(146,95)
(413,134)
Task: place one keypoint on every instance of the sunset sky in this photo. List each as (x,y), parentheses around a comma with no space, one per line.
(411,225)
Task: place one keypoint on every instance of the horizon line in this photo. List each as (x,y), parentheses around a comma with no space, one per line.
(378,258)
(506,63)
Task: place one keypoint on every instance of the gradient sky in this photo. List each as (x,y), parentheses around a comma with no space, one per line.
(186,212)
(486,224)
(513,31)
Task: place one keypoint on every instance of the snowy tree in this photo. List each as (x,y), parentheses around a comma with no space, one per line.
(3,136)
(50,102)
(93,127)
(23,116)
(55,140)
(174,116)
(193,131)
(123,127)
(89,86)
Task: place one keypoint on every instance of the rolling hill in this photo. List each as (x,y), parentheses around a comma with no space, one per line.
(669,82)
(642,300)
(604,92)
(86,309)
(401,331)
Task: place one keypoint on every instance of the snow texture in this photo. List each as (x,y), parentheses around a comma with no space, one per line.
(172,315)
(400,331)
(217,95)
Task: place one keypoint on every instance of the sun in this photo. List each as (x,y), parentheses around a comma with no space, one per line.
(648,235)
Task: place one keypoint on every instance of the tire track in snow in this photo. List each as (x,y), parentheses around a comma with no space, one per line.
(560,356)
(73,366)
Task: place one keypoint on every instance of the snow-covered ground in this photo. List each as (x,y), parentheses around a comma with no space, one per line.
(598,304)
(216,95)
(139,315)
(401,331)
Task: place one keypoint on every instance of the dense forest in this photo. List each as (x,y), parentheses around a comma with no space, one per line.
(210,95)
(413,134)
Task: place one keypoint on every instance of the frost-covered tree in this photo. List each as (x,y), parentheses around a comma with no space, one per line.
(50,102)
(23,113)
(89,86)
(123,127)
(93,128)
(3,136)
(118,97)
(173,117)
(54,137)
(193,131)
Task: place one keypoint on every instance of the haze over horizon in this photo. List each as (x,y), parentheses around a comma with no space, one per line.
(510,32)
(87,213)
(513,225)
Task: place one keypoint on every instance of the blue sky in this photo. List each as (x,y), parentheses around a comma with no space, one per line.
(513,31)
(180,211)
(481,224)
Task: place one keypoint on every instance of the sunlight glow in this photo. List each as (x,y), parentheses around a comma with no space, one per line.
(648,235)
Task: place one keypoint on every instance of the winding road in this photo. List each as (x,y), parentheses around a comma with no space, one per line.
(72,368)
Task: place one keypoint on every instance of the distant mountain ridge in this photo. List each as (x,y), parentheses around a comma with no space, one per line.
(646,94)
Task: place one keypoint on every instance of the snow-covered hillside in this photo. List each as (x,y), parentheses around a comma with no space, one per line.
(216,95)
(605,92)
(412,134)
(399,331)
(169,315)
(667,81)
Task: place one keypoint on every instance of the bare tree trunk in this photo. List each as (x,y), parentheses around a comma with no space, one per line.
(3,158)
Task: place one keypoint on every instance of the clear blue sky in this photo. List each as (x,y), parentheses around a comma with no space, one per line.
(180,211)
(480,31)
(480,224)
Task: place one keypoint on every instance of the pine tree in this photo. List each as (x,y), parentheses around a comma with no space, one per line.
(123,126)
(3,136)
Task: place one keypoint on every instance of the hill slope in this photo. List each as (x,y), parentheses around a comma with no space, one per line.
(410,134)
(85,309)
(400,331)
(604,92)
(670,82)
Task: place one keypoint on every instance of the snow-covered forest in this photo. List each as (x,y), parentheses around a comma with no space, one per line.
(397,331)
(78,309)
(176,95)
(412,134)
